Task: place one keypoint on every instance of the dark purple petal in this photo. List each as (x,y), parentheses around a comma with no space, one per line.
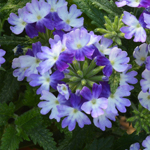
(79,55)
(105,89)
(108,70)
(40,26)
(36,47)
(96,90)
(57,75)
(102,61)
(31,30)
(61,66)
(86,93)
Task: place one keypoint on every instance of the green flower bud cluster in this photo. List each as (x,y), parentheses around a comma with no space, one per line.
(114,80)
(140,119)
(83,74)
(112,30)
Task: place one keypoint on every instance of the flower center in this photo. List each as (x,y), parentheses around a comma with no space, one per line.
(52,10)
(79,46)
(75,111)
(64,88)
(93,101)
(37,61)
(148,97)
(63,49)
(143,58)
(138,25)
(57,102)
(112,62)
(55,58)
(67,21)
(39,17)
(24,23)
(48,80)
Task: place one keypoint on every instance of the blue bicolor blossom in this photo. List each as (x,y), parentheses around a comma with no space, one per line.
(133,28)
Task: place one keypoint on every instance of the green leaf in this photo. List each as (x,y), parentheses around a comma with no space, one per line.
(43,137)
(80,137)
(6,111)
(28,120)
(30,97)
(94,13)
(10,141)
(126,140)
(13,40)
(101,144)
(11,85)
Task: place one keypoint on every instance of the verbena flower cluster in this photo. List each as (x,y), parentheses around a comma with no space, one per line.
(78,65)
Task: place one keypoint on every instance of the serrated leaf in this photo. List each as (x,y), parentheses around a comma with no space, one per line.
(81,137)
(6,111)
(13,40)
(30,97)
(125,141)
(10,88)
(96,15)
(10,141)
(43,137)
(101,144)
(28,120)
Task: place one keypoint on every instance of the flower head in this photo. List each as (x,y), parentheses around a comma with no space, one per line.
(95,104)
(73,113)
(50,103)
(140,53)
(146,143)
(134,28)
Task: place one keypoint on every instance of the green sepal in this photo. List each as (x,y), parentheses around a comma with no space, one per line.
(96,78)
(90,83)
(94,71)
(74,79)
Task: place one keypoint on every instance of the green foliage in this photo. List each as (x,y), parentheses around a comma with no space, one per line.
(14,40)
(140,119)
(30,97)
(101,144)
(10,141)
(114,80)
(43,137)
(126,140)
(28,120)
(9,88)
(112,30)
(6,112)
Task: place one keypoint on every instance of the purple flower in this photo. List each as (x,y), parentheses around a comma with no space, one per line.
(128,77)
(135,146)
(46,80)
(144,99)
(63,90)
(118,101)
(50,104)
(140,53)
(56,4)
(37,12)
(19,24)
(95,104)
(134,28)
(145,83)
(2,53)
(54,56)
(148,63)
(73,113)
(78,42)
(19,72)
(146,143)
(118,59)
(103,121)
(68,19)
(103,46)
(30,61)
(133,3)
